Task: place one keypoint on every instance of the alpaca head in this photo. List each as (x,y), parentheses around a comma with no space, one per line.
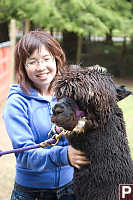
(66,113)
(88,92)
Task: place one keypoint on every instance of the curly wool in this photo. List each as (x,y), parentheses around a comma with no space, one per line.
(84,86)
(106,145)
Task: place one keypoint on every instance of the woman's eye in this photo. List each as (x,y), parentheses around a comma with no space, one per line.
(46,59)
(32,63)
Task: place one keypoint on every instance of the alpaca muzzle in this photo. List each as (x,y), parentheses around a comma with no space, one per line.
(67,115)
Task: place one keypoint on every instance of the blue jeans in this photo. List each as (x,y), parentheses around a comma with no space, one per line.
(64,193)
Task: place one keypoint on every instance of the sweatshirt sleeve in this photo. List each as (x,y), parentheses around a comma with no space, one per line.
(17,125)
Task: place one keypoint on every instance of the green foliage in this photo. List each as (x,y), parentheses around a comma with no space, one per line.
(119,15)
(7,9)
(28,8)
(17,9)
(79,16)
(45,16)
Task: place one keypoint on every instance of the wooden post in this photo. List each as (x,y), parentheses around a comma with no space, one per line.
(27,25)
(13,41)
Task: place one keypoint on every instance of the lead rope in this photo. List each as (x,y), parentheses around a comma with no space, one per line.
(52,141)
(56,137)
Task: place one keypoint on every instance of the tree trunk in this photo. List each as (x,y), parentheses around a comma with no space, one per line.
(69,45)
(79,47)
(109,37)
(124,47)
(4,31)
(27,25)
(33,26)
(52,31)
(89,37)
(131,39)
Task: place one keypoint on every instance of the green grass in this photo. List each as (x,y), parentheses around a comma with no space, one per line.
(127,108)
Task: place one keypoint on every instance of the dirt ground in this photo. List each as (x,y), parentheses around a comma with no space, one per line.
(7,163)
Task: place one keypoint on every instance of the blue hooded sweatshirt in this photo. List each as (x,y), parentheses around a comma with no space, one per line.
(28,122)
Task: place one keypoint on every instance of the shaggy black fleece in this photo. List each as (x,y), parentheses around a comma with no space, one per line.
(103,139)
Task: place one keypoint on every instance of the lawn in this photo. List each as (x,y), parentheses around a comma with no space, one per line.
(127,107)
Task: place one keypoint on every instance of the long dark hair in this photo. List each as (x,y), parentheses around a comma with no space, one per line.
(26,46)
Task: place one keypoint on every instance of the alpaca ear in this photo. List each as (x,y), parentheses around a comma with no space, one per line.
(122,92)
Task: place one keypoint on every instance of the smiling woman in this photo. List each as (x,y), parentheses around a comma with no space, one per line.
(41,69)
(40,173)
(34,52)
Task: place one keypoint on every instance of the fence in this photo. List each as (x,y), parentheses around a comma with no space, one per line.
(5,70)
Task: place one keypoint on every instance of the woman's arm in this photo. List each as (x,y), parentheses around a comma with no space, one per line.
(17,125)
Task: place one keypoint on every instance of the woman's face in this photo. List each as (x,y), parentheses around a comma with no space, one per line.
(41,68)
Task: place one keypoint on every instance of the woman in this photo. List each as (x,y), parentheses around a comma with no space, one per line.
(40,173)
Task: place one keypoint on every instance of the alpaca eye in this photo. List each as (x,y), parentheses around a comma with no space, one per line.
(57,111)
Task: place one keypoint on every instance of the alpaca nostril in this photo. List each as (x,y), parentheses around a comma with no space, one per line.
(52,119)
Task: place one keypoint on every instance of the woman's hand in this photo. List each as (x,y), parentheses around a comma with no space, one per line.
(77,158)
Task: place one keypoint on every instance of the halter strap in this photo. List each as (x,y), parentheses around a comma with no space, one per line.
(79,113)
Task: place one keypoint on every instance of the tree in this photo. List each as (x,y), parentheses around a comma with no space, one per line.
(17,9)
(117,14)
(82,18)
(77,18)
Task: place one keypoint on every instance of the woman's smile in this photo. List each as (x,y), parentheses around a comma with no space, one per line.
(43,75)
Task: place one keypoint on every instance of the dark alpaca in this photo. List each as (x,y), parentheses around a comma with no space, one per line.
(87,107)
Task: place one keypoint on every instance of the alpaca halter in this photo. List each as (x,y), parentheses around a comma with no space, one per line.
(79,113)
